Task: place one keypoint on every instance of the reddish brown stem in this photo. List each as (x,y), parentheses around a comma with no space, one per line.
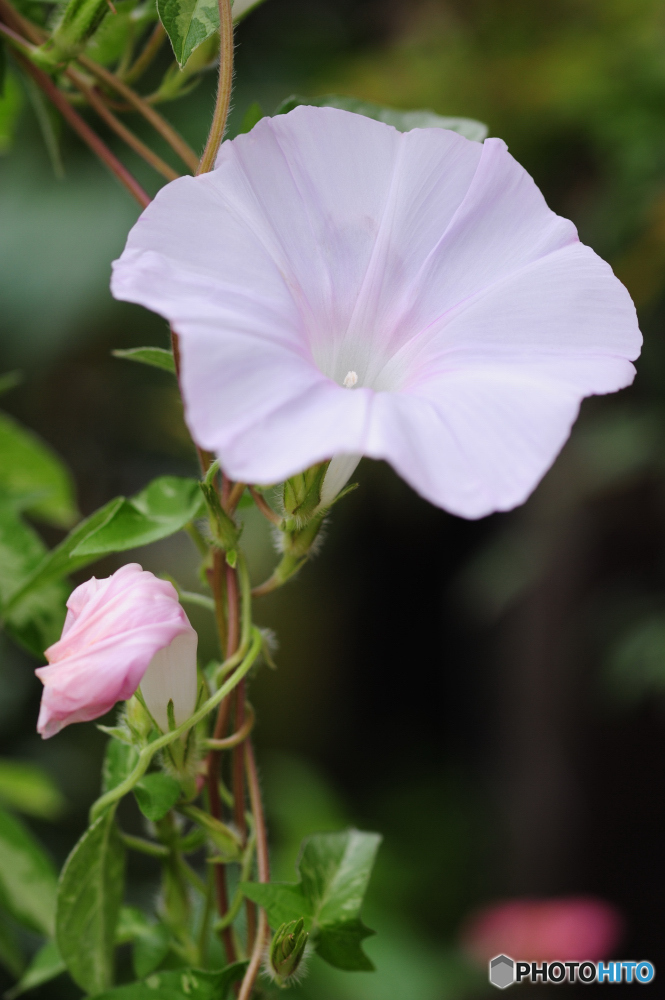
(263,865)
(84,131)
(158,122)
(95,101)
(239,767)
(264,507)
(215,803)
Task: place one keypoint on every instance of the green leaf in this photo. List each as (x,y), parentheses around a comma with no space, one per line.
(119,761)
(282,901)
(192,984)
(49,125)
(150,949)
(253,115)
(339,945)
(27,878)
(156,357)
(46,965)
(89,899)
(151,940)
(11,954)
(11,102)
(403,121)
(55,564)
(335,869)
(29,467)
(38,621)
(156,794)
(161,509)
(9,381)
(29,789)
(190,22)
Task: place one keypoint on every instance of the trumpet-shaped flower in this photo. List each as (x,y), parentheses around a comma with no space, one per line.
(121,632)
(344,289)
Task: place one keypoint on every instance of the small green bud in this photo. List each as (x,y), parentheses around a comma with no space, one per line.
(78,23)
(287,950)
(302,493)
(138,719)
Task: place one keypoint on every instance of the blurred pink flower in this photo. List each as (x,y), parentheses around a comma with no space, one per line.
(121,632)
(344,289)
(574,929)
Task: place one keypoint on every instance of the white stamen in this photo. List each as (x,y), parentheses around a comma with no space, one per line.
(350,380)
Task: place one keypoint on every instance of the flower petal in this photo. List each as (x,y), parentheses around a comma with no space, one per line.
(114,628)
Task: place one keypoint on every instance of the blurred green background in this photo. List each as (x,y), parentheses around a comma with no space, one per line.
(488,695)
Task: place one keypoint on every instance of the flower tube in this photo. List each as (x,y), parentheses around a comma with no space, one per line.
(344,289)
(120,632)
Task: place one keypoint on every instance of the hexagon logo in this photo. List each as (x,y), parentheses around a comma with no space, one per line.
(502,972)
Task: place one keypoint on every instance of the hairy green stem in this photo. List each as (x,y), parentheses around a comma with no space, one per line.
(224,86)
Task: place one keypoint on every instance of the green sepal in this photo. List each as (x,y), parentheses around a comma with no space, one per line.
(181,984)
(46,965)
(28,880)
(89,899)
(302,493)
(29,789)
(156,794)
(403,121)
(156,357)
(224,529)
(335,869)
(287,950)
(78,23)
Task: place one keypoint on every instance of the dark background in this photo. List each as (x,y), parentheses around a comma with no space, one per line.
(488,695)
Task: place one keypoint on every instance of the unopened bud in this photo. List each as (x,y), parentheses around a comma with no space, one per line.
(137,718)
(287,950)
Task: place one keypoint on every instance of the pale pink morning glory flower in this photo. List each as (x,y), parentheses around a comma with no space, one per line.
(344,289)
(120,632)
(569,929)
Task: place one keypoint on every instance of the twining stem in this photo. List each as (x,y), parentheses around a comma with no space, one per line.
(263,865)
(148,752)
(150,50)
(95,101)
(82,129)
(158,122)
(224,85)
(238,737)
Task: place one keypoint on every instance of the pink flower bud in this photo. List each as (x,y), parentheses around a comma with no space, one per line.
(126,630)
(576,929)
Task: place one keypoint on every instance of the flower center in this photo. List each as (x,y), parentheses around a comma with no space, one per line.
(350,379)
